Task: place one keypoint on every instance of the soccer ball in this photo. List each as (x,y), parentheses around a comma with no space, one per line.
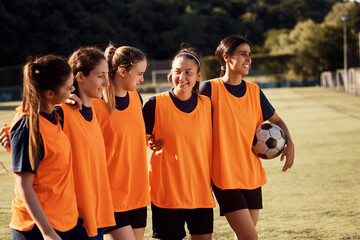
(269,141)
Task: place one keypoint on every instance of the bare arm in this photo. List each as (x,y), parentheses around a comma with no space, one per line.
(5,137)
(24,181)
(289,151)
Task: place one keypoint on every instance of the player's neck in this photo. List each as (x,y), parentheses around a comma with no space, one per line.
(119,92)
(232,78)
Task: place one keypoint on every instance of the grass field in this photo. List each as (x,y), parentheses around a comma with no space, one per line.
(319,198)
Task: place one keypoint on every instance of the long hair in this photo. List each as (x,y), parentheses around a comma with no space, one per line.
(123,57)
(189,53)
(84,60)
(45,73)
(228,46)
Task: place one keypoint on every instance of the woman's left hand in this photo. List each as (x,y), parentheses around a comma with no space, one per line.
(5,137)
(288,154)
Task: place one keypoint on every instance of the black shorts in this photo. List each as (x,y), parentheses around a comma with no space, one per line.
(78,232)
(136,218)
(231,200)
(168,224)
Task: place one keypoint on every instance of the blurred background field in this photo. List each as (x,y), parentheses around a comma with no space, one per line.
(317,199)
(292,41)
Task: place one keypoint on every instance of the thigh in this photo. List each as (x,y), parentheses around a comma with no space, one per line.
(139,233)
(242,224)
(200,220)
(168,224)
(121,233)
(254,215)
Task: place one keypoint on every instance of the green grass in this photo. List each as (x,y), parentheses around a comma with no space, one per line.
(319,198)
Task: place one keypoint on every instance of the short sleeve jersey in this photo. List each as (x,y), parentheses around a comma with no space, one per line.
(53,180)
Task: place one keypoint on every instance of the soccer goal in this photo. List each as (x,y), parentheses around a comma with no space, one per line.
(159,80)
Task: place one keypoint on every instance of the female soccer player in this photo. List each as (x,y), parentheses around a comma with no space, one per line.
(122,124)
(180,172)
(45,203)
(92,186)
(238,108)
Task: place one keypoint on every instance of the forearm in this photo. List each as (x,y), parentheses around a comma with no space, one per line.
(34,207)
(289,151)
(278,121)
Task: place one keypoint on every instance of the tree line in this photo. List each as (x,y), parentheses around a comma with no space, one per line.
(158,27)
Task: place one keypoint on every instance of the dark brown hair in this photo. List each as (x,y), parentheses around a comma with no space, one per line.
(84,60)
(228,46)
(189,53)
(45,73)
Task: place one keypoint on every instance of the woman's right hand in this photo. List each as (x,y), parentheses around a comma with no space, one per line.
(75,101)
(155,144)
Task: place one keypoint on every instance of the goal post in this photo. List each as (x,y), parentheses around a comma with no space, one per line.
(154,73)
(159,80)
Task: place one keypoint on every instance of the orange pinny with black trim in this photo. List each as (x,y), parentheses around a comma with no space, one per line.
(234,122)
(90,174)
(125,143)
(53,183)
(180,174)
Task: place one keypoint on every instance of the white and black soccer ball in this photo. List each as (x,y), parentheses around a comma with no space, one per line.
(269,141)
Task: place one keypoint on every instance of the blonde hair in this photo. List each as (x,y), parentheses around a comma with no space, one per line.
(123,57)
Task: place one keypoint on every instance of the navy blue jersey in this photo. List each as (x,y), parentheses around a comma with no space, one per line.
(149,109)
(86,112)
(239,91)
(123,102)
(19,142)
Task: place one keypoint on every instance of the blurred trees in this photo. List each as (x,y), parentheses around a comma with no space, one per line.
(35,27)
(318,47)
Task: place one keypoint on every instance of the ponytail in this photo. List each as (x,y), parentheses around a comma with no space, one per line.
(123,57)
(46,73)
(31,106)
(109,91)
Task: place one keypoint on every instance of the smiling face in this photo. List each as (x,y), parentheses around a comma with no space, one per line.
(130,80)
(240,60)
(185,73)
(92,86)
